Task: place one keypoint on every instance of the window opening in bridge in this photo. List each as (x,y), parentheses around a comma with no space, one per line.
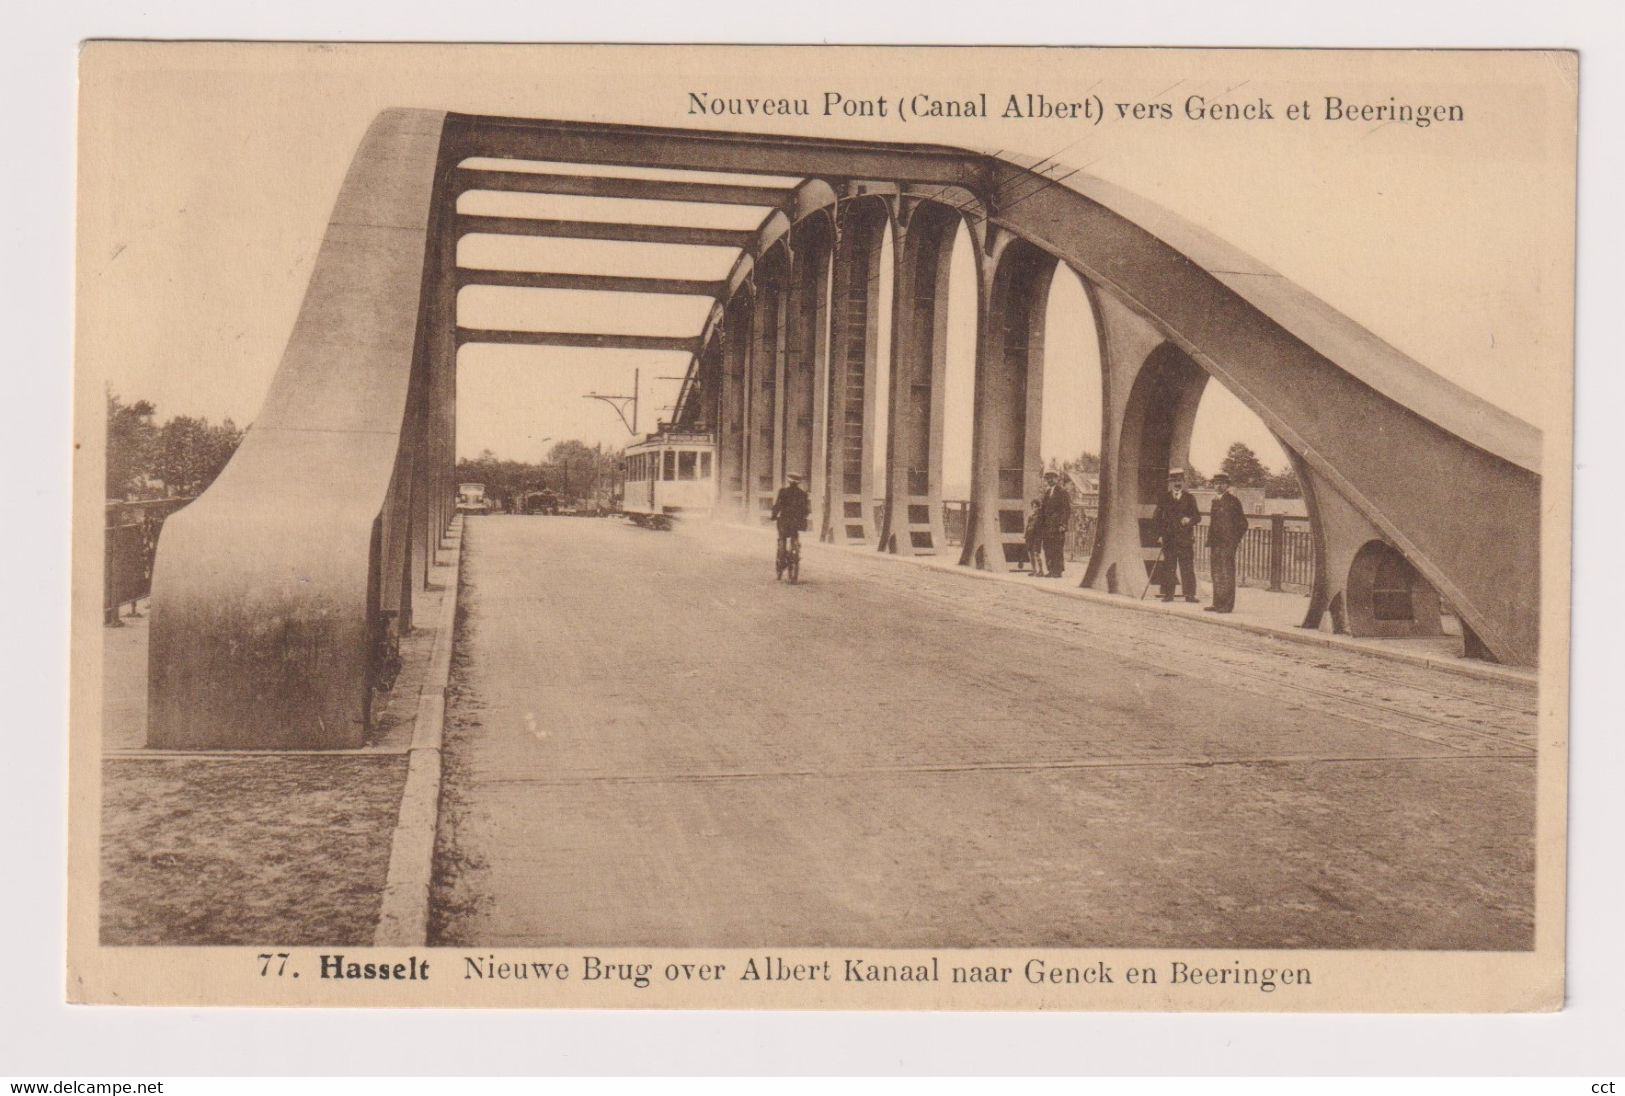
(506,308)
(561,207)
(492,251)
(627,171)
(959,384)
(1277,552)
(1071,391)
(1393,586)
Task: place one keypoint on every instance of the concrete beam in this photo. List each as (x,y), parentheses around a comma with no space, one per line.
(589,340)
(602,283)
(755,153)
(598,186)
(605,230)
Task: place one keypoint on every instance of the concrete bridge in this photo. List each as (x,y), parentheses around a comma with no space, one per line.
(276,591)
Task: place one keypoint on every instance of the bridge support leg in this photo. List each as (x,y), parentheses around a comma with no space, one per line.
(1134,460)
(853,355)
(918,363)
(731,416)
(806,390)
(763,455)
(1006,464)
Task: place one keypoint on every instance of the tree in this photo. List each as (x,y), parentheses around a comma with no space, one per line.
(1283,485)
(190,453)
(1243,467)
(131,438)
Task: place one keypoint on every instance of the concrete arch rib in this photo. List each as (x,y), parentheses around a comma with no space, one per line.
(1327,387)
(270,589)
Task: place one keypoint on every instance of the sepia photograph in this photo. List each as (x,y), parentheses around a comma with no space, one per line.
(822,527)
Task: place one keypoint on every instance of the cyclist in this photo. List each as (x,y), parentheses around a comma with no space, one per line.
(790,510)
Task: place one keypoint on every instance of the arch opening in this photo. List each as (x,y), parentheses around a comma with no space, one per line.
(1070,429)
(913,512)
(1009,408)
(1387,596)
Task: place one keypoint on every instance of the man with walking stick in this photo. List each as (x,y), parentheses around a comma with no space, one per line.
(1176,519)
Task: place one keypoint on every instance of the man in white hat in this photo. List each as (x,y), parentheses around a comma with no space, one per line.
(1176,519)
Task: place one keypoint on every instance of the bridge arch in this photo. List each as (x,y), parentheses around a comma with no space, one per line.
(271,591)
(925,235)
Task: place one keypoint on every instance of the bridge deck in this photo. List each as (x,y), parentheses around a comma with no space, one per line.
(650,742)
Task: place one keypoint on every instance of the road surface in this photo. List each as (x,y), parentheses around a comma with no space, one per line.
(651,742)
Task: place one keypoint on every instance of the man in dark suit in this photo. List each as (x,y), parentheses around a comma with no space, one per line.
(1054,515)
(1227,525)
(790,510)
(1176,519)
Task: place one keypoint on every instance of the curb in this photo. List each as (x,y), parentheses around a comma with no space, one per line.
(1461,667)
(403,912)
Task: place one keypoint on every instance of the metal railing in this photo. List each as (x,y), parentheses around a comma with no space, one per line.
(130,544)
(1277,553)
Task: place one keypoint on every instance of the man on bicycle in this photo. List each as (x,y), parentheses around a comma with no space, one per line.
(790,510)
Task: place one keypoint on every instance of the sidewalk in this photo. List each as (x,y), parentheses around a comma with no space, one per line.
(243,846)
(1257,610)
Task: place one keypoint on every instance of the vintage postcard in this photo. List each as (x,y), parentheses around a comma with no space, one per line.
(840,528)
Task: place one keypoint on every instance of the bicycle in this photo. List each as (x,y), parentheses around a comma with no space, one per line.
(789,559)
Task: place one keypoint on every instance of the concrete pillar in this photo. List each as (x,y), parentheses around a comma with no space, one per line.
(733,400)
(1151,393)
(854,360)
(763,455)
(805,390)
(1005,467)
(918,362)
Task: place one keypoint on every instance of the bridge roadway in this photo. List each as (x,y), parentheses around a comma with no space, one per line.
(650,742)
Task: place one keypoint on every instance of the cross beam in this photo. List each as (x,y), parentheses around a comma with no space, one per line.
(603,283)
(598,186)
(587,340)
(605,230)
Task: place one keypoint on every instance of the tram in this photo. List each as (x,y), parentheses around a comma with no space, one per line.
(670,474)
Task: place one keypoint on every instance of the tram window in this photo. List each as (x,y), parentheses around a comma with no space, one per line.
(705,465)
(686,463)
(671,465)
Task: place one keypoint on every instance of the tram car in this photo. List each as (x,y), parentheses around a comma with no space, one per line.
(669,475)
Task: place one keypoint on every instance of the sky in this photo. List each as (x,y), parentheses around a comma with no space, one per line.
(208,172)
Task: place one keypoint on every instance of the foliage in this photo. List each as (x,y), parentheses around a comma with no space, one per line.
(191,452)
(131,439)
(1243,467)
(176,460)
(573,470)
(1283,485)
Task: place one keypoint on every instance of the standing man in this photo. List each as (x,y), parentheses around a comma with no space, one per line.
(1227,525)
(790,510)
(1054,514)
(1176,519)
